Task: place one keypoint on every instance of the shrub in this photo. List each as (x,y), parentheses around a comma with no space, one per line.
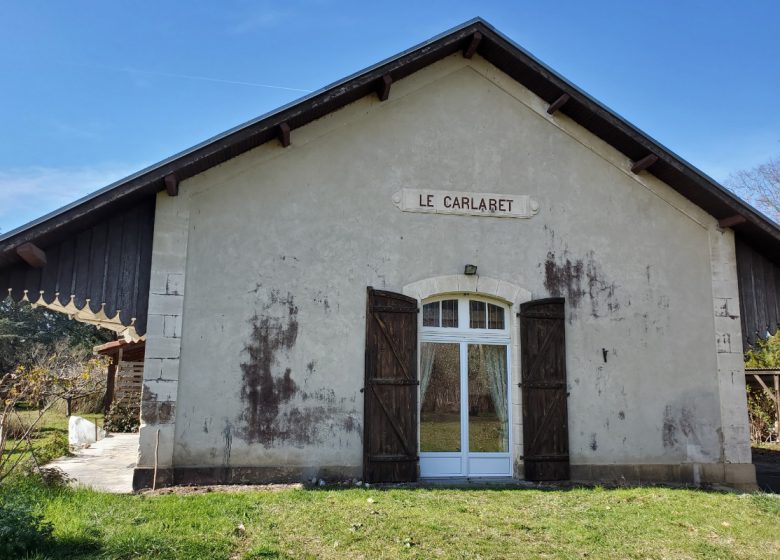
(22,529)
(122,418)
(761,409)
(761,414)
(765,354)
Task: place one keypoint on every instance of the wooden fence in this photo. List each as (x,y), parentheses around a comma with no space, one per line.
(129,378)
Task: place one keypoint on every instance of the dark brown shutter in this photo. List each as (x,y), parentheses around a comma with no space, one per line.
(390,392)
(545,418)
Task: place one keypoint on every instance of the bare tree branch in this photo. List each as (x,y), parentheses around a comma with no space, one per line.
(760,186)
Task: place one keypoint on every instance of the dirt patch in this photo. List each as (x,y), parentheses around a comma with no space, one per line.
(226,488)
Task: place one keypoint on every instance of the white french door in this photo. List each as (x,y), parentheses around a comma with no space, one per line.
(465,417)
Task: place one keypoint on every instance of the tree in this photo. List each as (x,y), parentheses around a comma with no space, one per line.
(760,186)
(56,373)
(24,328)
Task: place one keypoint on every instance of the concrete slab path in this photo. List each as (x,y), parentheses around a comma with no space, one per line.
(106,465)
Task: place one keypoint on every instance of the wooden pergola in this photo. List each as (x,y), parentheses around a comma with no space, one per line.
(125,372)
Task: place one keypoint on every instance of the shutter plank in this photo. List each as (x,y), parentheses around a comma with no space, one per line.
(545,415)
(390,396)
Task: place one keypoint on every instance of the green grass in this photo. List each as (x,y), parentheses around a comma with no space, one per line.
(774,446)
(411,523)
(50,439)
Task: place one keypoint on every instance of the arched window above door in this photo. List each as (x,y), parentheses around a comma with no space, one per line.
(473,313)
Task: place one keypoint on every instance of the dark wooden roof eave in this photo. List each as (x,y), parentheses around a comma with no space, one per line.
(493,46)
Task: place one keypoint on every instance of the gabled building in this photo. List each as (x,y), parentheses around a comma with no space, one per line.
(454,263)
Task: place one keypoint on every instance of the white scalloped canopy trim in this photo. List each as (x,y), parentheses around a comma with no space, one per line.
(86,315)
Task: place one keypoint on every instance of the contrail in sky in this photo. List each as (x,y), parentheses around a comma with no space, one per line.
(190,77)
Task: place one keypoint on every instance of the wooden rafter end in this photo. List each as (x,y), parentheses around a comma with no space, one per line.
(172,184)
(383,88)
(732,221)
(558,103)
(32,255)
(284,134)
(471,49)
(644,163)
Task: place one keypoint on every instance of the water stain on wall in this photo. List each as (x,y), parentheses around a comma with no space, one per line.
(578,278)
(154,411)
(276,409)
(562,277)
(261,392)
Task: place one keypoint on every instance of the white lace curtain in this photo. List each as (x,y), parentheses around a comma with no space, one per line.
(428,352)
(494,358)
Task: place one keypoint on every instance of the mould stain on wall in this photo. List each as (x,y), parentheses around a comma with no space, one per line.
(154,411)
(578,278)
(687,431)
(273,402)
(261,392)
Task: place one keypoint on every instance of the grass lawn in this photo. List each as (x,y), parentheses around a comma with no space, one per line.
(50,440)
(411,523)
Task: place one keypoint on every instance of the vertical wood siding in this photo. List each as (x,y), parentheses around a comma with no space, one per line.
(759,293)
(104,266)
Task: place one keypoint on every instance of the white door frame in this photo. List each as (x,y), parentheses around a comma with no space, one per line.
(458,285)
(470,463)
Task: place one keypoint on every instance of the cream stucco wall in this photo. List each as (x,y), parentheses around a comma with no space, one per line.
(281,244)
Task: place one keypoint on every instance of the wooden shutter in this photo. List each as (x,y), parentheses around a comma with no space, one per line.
(390,399)
(545,418)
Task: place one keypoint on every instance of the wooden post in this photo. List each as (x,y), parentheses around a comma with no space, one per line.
(110,381)
(776,377)
(156,450)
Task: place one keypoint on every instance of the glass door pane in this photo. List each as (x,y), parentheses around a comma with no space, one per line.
(488,404)
(439,397)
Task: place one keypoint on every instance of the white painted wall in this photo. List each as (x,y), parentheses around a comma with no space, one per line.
(293,237)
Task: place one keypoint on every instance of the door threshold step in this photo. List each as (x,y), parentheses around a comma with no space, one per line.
(474,481)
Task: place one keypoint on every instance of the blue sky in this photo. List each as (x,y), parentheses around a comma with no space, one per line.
(93,91)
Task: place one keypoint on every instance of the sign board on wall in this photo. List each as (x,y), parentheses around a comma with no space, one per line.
(466,203)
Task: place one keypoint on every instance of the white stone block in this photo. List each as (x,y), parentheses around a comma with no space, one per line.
(467,283)
(487,286)
(175,284)
(507,291)
(172,327)
(152,367)
(169,262)
(170,369)
(81,431)
(165,304)
(147,442)
(158,281)
(160,390)
(732,362)
(163,347)
(155,325)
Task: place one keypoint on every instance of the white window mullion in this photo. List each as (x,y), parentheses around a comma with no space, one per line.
(464,406)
